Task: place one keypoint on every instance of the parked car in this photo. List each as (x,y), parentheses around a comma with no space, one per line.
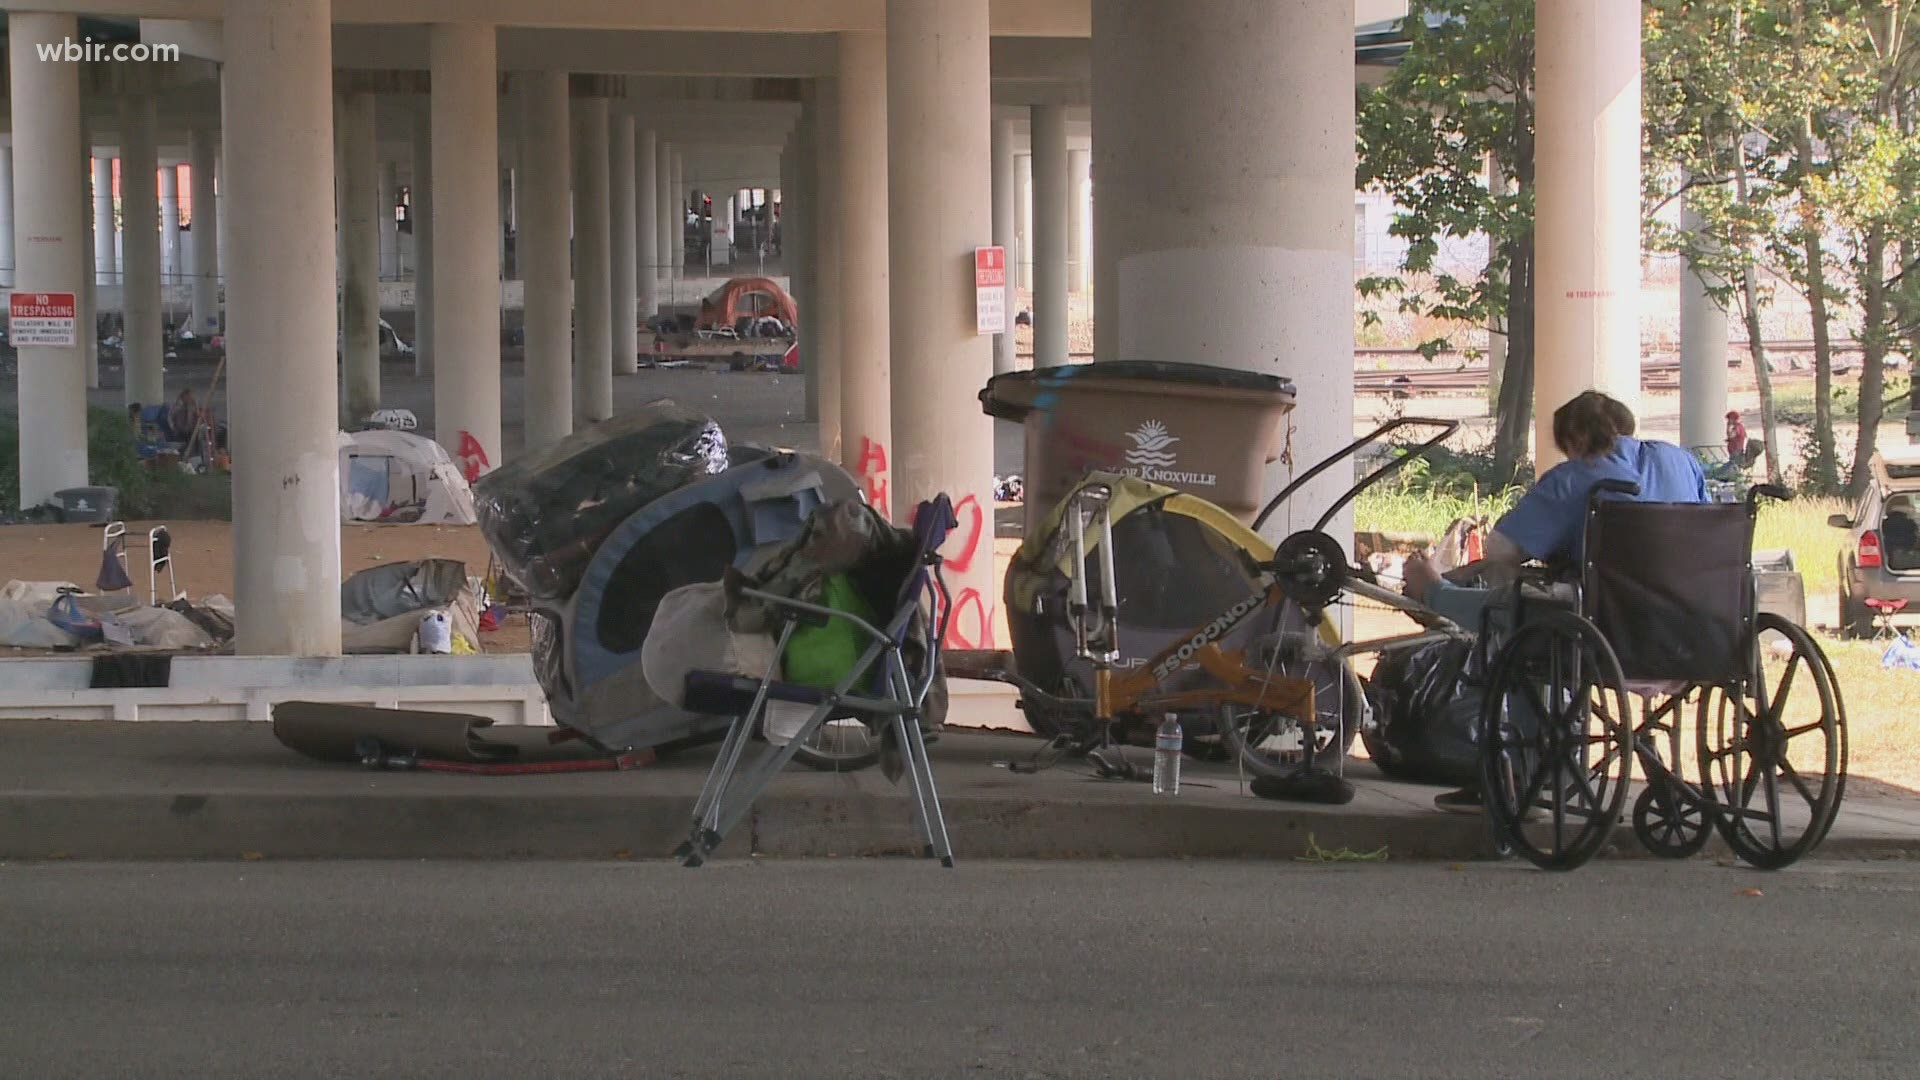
(1882,558)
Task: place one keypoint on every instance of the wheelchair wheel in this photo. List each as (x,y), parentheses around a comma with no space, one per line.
(1668,825)
(1555,746)
(1773,749)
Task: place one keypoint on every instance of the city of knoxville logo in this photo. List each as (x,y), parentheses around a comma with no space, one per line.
(1152,458)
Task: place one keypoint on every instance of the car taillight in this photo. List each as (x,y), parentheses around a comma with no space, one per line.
(1869,553)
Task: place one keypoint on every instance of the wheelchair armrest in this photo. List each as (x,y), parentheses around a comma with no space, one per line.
(1767,491)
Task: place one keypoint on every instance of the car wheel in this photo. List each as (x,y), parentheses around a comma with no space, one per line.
(1856,619)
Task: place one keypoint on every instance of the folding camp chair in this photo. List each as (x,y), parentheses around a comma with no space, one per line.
(894,703)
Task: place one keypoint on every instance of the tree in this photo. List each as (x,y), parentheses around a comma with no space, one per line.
(1696,123)
(1779,120)
(1462,96)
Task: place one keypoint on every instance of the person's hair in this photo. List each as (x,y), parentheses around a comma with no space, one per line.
(1588,425)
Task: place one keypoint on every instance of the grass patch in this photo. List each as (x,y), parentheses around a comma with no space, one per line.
(146,493)
(1882,741)
(1801,527)
(1423,513)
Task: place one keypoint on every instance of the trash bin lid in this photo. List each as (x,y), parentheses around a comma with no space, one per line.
(1012,396)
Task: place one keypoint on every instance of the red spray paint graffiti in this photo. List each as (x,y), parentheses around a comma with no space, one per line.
(872,474)
(970,624)
(473,457)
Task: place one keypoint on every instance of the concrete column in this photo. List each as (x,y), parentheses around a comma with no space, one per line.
(423,343)
(592,264)
(103,224)
(1023,216)
(389,225)
(466,255)
(1206,187)
(1050,232)
(7,263)
(679,232)
(793,256)
(646,191)
(1703,354)
(1003,200)
(169,224)
(545,267)
(669,222)
(1587,209)
(277,118)
(827,200)
(865,343)
(143,346)
(49,205)
(206,234)
(940,207)
(358,186)
(620,201)
(1079,220)
(87,304)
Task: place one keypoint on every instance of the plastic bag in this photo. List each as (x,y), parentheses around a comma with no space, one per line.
(689,634)
(435,634)
(1426,715)
(545,514)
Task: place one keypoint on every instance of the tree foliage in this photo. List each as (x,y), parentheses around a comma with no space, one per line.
(1462,97)
(1788,125)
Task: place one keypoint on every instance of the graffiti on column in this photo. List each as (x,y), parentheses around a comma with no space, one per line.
(871,471)
(473,457)
(970,624)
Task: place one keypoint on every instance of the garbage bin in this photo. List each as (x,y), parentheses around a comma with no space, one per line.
(86,504)
(1204,430)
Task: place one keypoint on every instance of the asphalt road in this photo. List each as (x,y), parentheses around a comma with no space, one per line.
(896,968)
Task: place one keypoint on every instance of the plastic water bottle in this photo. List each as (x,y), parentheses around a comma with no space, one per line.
(1167,742)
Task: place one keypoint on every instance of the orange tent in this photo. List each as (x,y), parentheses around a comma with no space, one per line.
(747,296)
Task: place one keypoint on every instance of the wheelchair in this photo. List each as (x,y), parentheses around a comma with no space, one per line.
(1739,728)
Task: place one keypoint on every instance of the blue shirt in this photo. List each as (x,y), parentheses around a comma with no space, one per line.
(1549,521)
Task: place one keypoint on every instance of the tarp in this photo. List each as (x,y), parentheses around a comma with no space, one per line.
(400,477)
(545,513)
(724,306)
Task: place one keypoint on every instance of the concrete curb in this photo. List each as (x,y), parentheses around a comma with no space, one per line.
(600,826)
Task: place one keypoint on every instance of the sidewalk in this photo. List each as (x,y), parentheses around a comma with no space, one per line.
(228,790)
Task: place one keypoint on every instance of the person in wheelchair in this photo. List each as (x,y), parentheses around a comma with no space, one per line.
(1596,434)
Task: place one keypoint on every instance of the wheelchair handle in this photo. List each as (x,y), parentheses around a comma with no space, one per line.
(1775,492)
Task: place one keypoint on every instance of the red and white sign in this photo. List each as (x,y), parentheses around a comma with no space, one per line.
(990,290)
(42,319)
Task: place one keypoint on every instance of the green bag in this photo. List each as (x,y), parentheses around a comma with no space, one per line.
(821,656)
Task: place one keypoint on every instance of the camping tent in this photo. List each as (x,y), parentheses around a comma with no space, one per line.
(397,476)
(747,296)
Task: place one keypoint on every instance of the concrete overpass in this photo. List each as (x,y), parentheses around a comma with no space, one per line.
(1220,131)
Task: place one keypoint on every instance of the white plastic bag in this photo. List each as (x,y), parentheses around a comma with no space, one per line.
(690,633)
(435,634)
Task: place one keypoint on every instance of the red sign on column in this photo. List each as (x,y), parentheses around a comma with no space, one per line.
(990,290)
(41,319)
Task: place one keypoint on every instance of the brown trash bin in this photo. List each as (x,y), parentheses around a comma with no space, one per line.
(1204,430)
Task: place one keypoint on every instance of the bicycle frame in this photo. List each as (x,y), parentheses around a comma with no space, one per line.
(1241,682)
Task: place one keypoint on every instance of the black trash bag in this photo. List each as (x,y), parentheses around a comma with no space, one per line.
(1426,715)
(545,514)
